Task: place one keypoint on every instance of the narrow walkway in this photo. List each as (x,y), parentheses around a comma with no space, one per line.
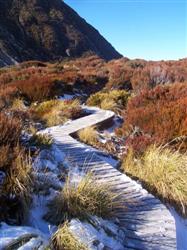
(148,223)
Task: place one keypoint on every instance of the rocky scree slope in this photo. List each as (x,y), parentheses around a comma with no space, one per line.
(47,30)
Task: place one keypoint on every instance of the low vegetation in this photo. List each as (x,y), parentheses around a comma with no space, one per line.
(88,135)
(113,100)
(82,199)
(10,129)
(29,93)
(163,172)
(15,167)
(37,81)
(55,112)
(41,140)
(7,96)
(16,186)
(91,136)
(139,143)
(18,105)
(64,239)
(160,114)
(141,74)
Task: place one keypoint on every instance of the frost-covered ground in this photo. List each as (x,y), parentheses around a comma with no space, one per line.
(99,234)
(49,166)
(108,137)
(50,170)
(11,234)
(67,97)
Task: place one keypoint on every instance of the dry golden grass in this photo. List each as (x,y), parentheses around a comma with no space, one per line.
(88,135)
(18,104)
(54,118)
(164,172)
(64,239)
(80,200)
(10,129)
(114,100)
(31,129)
(41,140)
(55,112)
(45,106)
(109,104)
(17,184)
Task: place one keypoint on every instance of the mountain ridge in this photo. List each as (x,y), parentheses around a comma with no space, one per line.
(47,30)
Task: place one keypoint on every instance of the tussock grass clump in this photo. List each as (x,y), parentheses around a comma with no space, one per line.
(113,100)
(18,104)
(53,118)
(55,112)
(10,129)
(164,172)
(46,106)
(82,199)
(107,104)
(41,140)
(7,96)
(18,179)
(64,239)
(88,135)
(16,189)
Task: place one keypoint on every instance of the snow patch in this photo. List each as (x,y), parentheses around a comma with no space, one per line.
(66,97)
(98,234)
(8,234)
(181,230)
(2,177)
(49,159)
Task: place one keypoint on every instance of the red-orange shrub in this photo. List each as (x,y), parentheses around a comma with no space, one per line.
(141,74)
(7,95)
(160,112)
(37,88)
(10,130)
(139,143)
(120,77)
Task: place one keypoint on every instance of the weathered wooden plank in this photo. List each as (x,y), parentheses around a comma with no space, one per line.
(148,223)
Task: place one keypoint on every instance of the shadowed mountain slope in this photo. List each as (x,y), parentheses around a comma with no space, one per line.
(47,30)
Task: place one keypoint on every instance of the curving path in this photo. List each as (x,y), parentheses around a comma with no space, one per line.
(148,223)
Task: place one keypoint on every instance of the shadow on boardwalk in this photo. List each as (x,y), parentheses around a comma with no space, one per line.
(147,222)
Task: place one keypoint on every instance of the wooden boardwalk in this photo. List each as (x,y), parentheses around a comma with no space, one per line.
(147,222)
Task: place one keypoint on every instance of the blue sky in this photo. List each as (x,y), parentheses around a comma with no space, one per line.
(149,29)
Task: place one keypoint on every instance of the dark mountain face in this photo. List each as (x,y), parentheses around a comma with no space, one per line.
(46,30)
